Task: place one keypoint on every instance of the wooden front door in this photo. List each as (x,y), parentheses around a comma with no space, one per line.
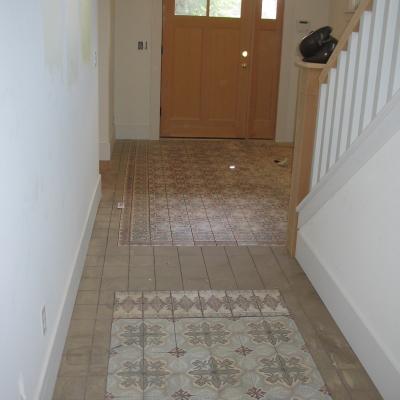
(220,68)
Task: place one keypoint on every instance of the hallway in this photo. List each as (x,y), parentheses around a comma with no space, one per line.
(86,372)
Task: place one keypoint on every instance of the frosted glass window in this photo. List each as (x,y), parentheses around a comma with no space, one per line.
(226,8)
(269,9)
(191,7)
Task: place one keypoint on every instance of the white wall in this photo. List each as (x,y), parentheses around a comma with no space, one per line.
(350,250)
(317,13)
(137,72)
(340,16)
(106,77)
(49,180)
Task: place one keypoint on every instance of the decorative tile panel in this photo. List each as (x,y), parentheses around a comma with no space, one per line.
(184,193)
(205,345)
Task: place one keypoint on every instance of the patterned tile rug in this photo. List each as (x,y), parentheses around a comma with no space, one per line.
(204,193)
(209,345)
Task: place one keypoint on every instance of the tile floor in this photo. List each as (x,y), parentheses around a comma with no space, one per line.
(111,268)
(209,345)
(183,192)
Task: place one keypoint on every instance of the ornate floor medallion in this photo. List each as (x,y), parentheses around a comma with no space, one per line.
(209,345)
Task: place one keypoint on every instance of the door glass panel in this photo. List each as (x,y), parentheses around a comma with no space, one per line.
(269,9)
(226,8)
(191,7)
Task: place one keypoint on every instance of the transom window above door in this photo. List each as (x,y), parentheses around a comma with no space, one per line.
(211,8)
(269,9)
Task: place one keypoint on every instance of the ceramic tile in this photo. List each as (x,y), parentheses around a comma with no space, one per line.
(186,304)
(243,303)
(215,303)
(128,305)
(270,302)
(184,193)
(157,305)
(205,353)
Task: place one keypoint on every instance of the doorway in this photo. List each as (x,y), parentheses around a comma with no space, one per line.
(220,68)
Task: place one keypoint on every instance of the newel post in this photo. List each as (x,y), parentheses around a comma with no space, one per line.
(306,117)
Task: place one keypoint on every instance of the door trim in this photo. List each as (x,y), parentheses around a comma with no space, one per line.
(155,73)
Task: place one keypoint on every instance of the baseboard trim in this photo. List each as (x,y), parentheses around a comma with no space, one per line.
(53,359)
(105,151)
(139,131)
(357,331)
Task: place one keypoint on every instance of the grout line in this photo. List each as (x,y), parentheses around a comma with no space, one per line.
(231,268)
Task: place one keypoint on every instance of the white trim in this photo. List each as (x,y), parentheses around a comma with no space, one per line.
(385,125)
(105,151)
(130,132)
(362,338)
(53,357)
(155,73)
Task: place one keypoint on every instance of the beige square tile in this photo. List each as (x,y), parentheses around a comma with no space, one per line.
(92,272)
(94,261)
(79,329)
(107,297)
(74,365)
(115,272)
(105,311)
(114,284)
(85,311)
(96,387)
(87,297)
(116,260)
(98,364)
(70,388)
(91,284)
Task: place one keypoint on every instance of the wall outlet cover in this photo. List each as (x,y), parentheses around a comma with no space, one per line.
(44,321)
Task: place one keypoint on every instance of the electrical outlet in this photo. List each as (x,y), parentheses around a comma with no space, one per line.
(44,321)
(21,388)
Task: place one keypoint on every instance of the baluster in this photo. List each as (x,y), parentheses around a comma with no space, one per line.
(394,81)
(374,51)
(337,109)
(344,130)
(327,124)
(319,133)
(364,36)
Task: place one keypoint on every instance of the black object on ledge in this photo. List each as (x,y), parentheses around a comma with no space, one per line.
(318,46)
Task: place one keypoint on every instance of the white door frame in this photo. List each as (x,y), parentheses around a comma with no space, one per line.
(155,74)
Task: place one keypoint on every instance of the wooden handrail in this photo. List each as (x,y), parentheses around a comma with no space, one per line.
(353,26)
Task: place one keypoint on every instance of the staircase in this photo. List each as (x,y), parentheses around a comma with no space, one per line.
(348,238)
(360,80)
